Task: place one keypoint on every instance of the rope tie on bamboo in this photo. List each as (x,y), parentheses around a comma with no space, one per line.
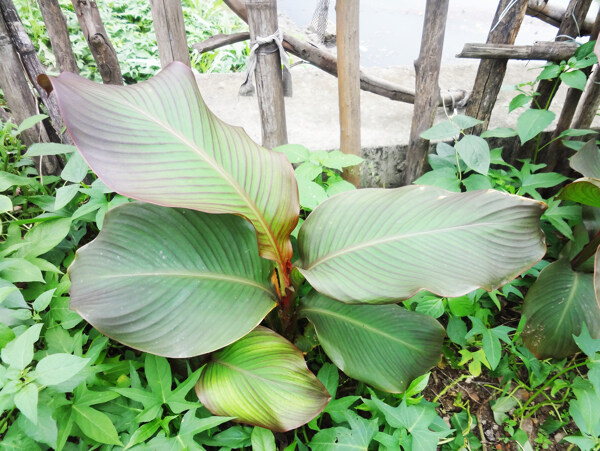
(247,88)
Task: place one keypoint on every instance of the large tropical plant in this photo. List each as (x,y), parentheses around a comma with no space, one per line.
(167,277)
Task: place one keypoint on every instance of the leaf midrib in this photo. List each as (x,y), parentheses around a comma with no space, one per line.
(389,239)
(363,326)
(224,174)
(193,275)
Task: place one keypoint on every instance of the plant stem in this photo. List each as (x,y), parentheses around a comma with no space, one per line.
(587,251)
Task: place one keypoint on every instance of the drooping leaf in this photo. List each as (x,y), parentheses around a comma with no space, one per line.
(157,141)
(57,368)
(584,191)
(26,400)
(263,380)
(173,282)
(95,424)
(575,79)
(442,130)
(555,307)
(377,246)
(501,132)
(19,352)
(385,346)
(587,160)
(533,122)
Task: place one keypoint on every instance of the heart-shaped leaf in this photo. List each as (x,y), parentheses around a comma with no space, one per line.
(475,152)
(555,307)
(172,282)
(263,380)
(385,346)
(377,246)
(533,122)
(158,142)
(584,191)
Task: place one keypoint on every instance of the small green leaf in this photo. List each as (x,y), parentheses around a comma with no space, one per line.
(442,130)
(491,348)
(550,71)
(6,335)
(295,153)
(30,122)
(44,149)
(475,182)
(584,191)
(575,79)
(64,195)
(329,377)
(341,186)
(26,400)
(19,352)
(590,346)
(5,203)
(143,433)
(577,132)
(43,300)
(475,152)
(262,440)
(339,160)
(517,102)
(311,194)
(158,375)
(308,171)
(57,368)
(76,169)
(95,424)
(44,237)
(532,122)
(444,178)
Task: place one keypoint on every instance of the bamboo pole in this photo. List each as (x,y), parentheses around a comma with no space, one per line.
(427,90)
(262,19)
(490,73)
(167,16)
(56,25)
(348,65)
(97,38)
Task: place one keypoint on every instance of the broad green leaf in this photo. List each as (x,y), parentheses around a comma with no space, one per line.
(575,79)
(173,282)
(385,346)
(44,149)
(30,122)
(157,141)
(532,122)
(45,430)
(19,352)
(500,132)
(64,195)
(577,132)
(378,245)
(341,186)
(262,380)
(308,171)
(5,203)
(76,169)
(7,180)
(339,160)
(475,152)
(587,160)
(476,182)
(550,71)
(584,191)
(442,130)
(556,306)
(43,300)
(465,122)
(262,440)
(329,377)
(444,178)
(26,400)
(95,424)
(44,237)
(57,368)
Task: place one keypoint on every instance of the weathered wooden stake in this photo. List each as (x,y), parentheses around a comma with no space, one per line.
(97,38)
(31,63)
(427,90)
(551,14)
(170,31)
(490,74)
(262,19)
(327,62)
(569,27)
(56,25)
(541,50)
(348,65)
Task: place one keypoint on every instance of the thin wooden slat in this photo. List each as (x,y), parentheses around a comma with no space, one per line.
(167,16)
(348,64)
(56,26)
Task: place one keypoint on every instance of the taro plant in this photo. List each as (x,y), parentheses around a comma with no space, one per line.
(168,277)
